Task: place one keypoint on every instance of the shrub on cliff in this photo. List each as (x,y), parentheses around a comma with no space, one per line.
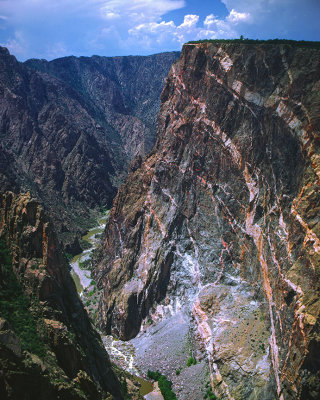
(165,385)
(191,361)
(210,395)
(15,306)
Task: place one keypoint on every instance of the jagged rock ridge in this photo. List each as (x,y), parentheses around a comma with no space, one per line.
(70,127)
(124,91)
(221,221)
(73,363)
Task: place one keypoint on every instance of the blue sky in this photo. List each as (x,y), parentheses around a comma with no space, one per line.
(56,28)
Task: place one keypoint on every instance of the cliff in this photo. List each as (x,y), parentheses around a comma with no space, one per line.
(218,229)
(49,349)
(70,127)
(123,91)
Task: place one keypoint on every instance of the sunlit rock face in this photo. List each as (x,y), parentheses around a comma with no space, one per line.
(221,221)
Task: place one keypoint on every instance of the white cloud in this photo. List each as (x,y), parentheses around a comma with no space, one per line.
(43,28)
(289,19)
(153,27)
(252,18)
(84,25)
(189,29)
(234,17)
(151,33)
(223,28)
(16,44)
(190,21)
(139,10)
(111,15)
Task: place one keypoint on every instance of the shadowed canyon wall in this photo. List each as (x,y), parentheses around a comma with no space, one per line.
(48,347)
(70,127)
(221,222)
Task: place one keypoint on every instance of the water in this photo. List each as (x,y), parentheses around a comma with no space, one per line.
(82,276)
(121,353)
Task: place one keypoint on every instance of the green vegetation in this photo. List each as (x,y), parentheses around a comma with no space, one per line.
(124,387)
(295,43)
(84,244)
(165,385)
(15,306)
(85,264)
(191,361)
(69,256)
(209,393)
(178,371)
(262,347)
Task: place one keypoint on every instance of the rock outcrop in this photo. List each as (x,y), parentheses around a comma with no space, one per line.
(70,127)
(220,225)
(49,348)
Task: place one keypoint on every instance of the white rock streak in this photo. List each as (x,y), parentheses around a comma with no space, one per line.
(251,229)
(256,233)
(201,318)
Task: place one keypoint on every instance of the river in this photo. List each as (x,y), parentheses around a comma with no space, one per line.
(121,353)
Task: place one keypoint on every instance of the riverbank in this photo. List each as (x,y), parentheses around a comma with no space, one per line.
(122,354)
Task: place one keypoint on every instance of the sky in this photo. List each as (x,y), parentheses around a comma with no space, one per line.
(55,28)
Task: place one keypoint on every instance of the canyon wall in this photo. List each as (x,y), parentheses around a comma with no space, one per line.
(220,224)
(49,348)
(122,91)
(69,128)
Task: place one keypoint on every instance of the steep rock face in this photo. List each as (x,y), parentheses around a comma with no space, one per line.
(70,129)
(124,91)
(52,145)
(73,363)
(221,222)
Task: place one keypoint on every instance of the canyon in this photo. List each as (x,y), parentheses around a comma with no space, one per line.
(212,247)
(208,267)
(69,129)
